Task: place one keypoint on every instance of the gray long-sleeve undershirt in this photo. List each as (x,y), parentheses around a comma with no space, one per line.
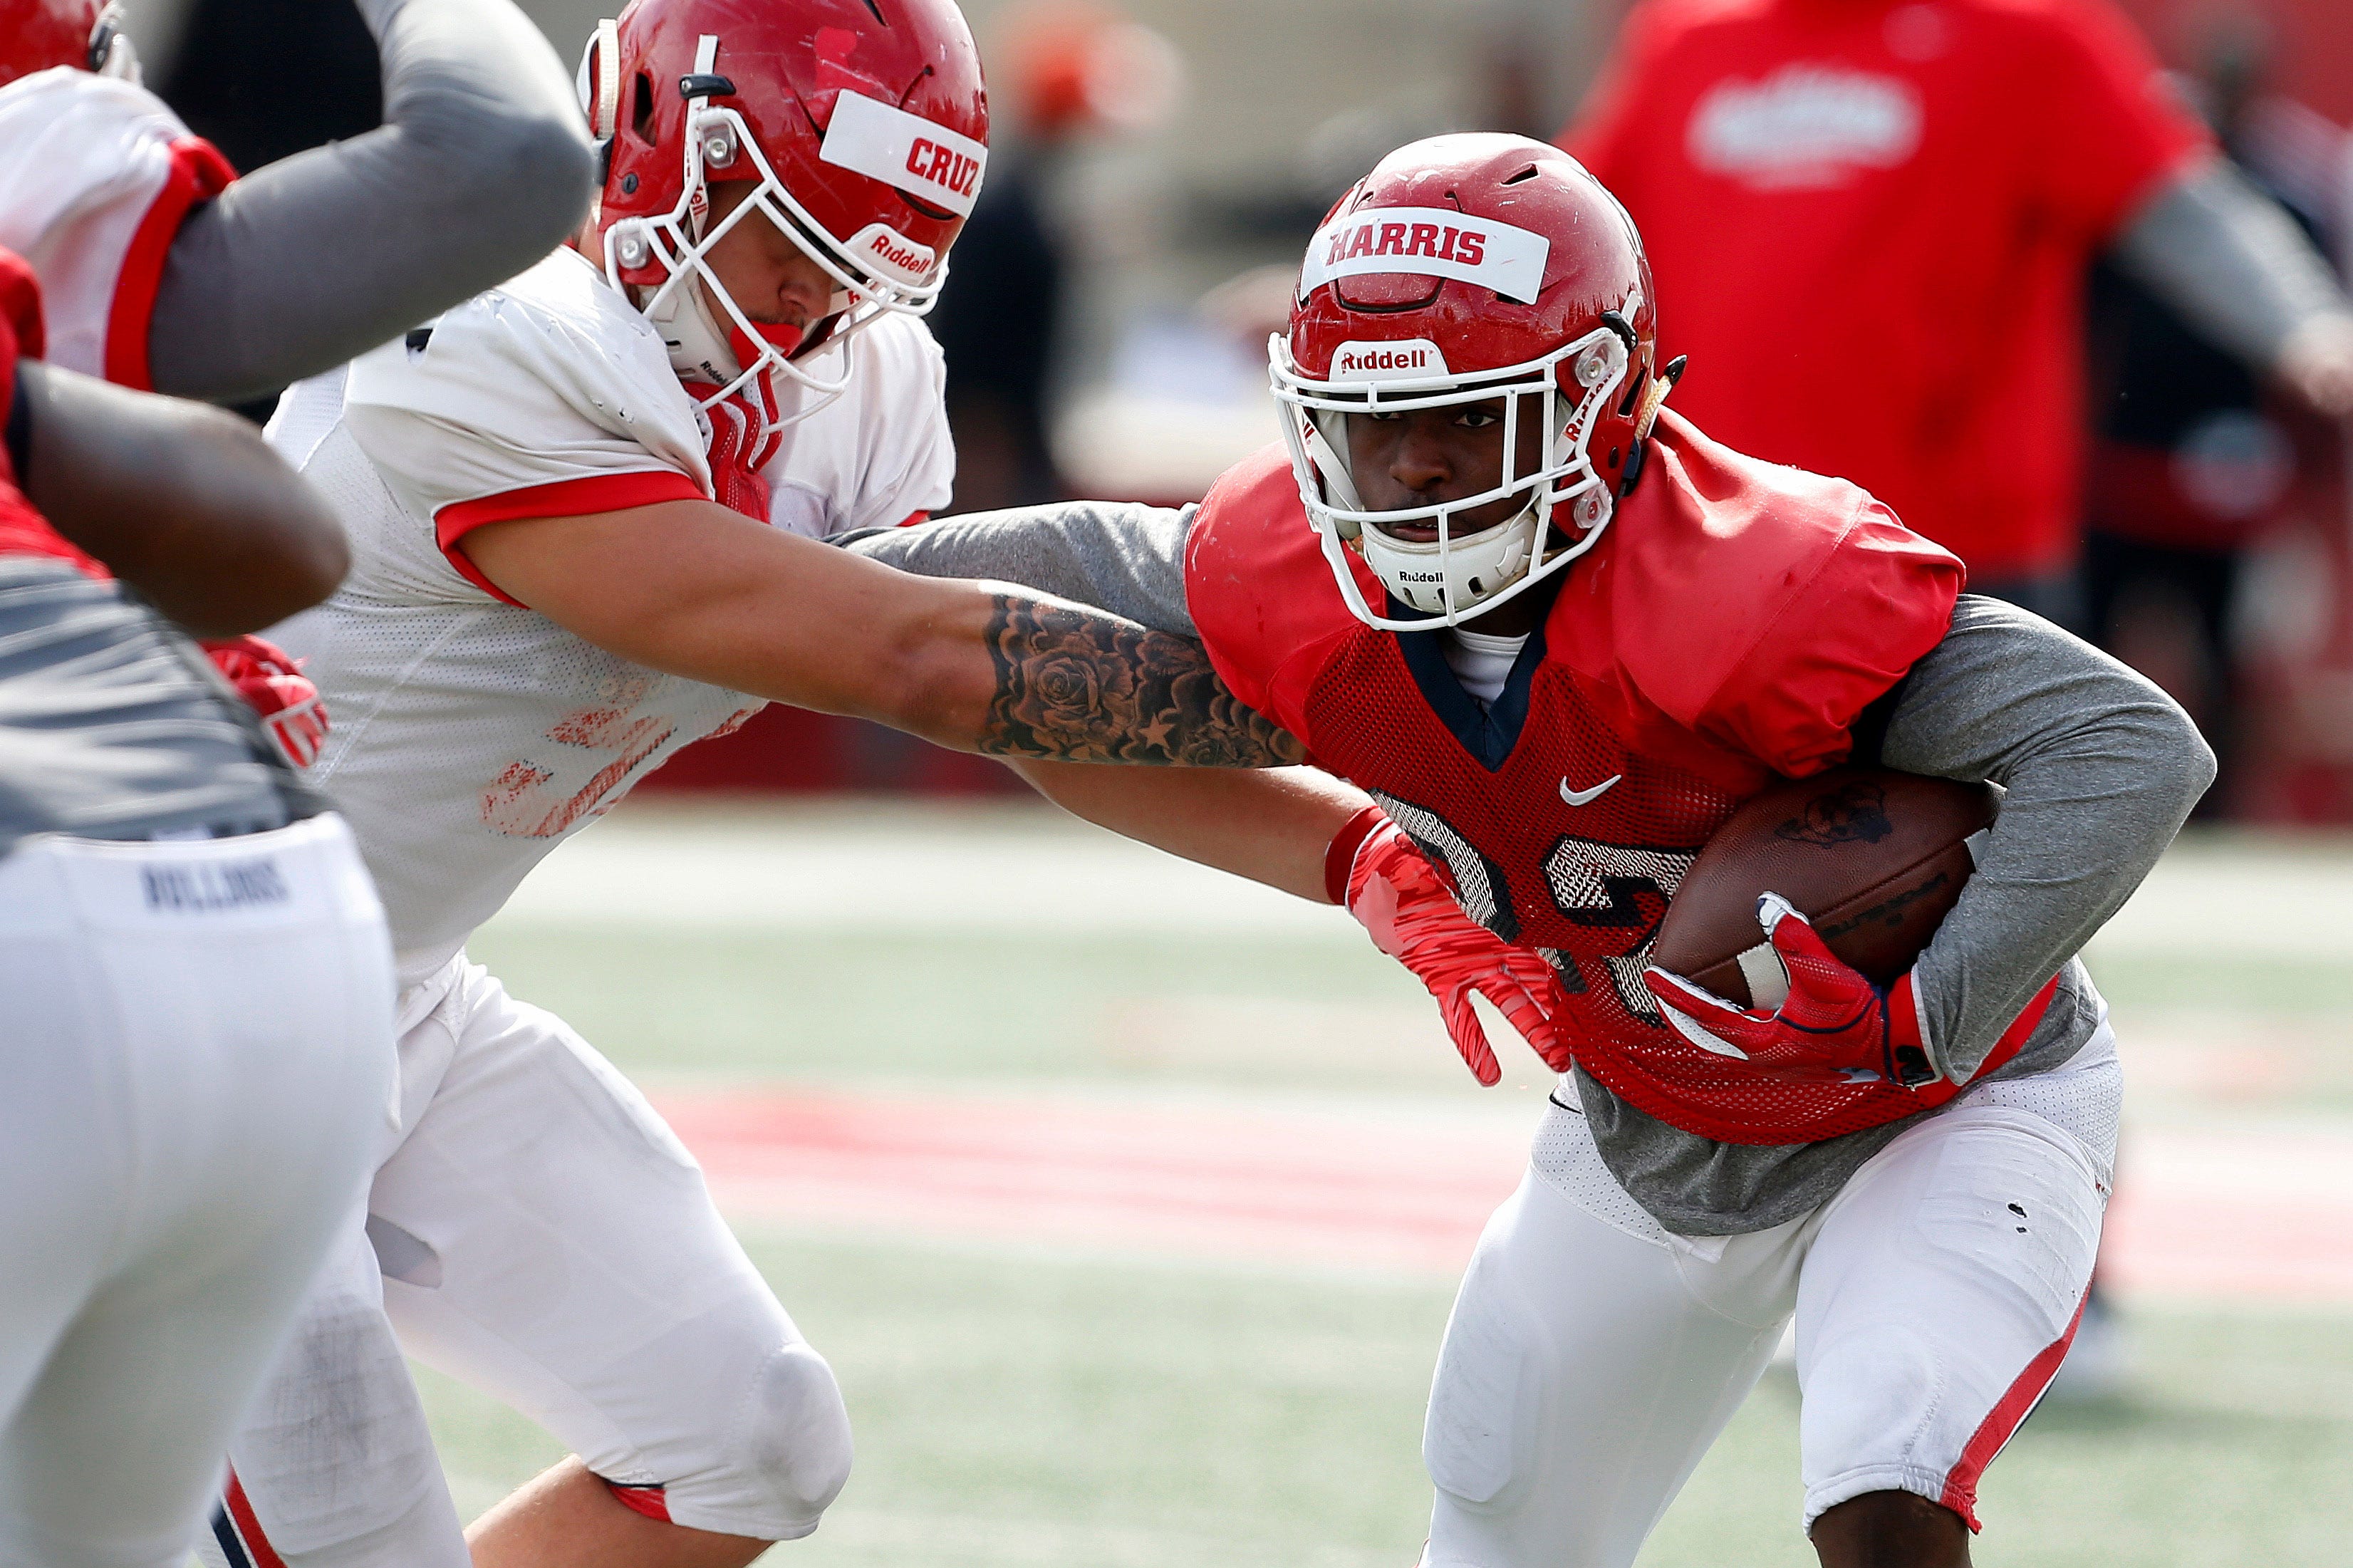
(2099,769)
(2226,257)
(482,165)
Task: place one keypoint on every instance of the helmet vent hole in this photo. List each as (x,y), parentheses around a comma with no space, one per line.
(1527,173)
(641,113)
(1378,291)
(876,12)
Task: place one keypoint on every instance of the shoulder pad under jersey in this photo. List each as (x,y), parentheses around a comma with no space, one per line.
(1764,606)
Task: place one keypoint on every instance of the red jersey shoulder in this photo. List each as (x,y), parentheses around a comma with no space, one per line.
(1259,588)
(1760,606)
(20,309)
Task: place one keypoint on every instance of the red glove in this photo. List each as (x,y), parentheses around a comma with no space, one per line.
(1835,1026)
(1401,898)
(271,680)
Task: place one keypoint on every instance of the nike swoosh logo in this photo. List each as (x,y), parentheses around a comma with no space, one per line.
(1588,796)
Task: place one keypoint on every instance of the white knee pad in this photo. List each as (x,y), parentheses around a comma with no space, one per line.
(1483,1403)
(794,1438)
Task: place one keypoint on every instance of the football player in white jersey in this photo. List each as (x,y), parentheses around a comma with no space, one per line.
(193,970)
(585,509)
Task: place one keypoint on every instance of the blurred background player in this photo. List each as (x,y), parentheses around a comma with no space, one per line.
(2196,460)
(1855,210)
(197,971)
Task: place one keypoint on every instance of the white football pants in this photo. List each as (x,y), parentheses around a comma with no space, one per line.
(196,1040)
(1593,1357)
(540,1233)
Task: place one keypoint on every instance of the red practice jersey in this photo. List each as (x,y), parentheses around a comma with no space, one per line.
(1870,221)
(1730,628)
(23,530)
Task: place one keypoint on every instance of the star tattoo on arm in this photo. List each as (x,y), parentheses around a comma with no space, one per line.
(1082,685)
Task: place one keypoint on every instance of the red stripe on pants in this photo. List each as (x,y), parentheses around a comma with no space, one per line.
(240,1514)
(2002,1422)
(647,1500)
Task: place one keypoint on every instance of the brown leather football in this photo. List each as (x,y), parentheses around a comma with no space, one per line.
(1873,857)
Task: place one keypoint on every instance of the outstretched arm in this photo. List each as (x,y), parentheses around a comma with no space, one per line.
(1273,826)
(1297,829)
(2235,266)
(697,590)
(481,167)
(182,502)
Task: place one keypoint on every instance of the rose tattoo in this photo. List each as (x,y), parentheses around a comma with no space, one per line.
(1082,686)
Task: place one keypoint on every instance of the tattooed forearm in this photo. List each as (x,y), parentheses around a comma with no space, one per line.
(1082,686)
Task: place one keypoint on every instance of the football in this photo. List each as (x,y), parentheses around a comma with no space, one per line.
(1875,858)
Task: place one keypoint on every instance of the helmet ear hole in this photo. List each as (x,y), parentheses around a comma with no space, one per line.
(641,108)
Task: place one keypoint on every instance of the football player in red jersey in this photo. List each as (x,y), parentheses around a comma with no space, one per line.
(1558,635)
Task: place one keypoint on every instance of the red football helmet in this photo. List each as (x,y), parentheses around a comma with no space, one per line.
(863,124)
(1464,269)
(37,35)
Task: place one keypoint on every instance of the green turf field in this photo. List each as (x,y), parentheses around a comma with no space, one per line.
(1049,1406)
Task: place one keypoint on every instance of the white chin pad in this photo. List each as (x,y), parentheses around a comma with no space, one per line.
(699,348)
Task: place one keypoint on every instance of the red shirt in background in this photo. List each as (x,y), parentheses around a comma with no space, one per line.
(1869,222)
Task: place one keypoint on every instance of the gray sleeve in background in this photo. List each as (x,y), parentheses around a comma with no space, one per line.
(2100,768)
(2224,254)
(1125,558)
(482,166)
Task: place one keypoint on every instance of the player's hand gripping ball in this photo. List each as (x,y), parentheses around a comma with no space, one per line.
(271,681)
(1835,1026)
(1400,898)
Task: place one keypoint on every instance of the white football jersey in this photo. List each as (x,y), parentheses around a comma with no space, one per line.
(471,735)
(95,177)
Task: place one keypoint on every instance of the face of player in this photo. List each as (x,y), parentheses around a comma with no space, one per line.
(773,280)
(1426,456)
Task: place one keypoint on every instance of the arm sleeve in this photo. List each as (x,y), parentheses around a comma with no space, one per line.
(2226,255)
(2110,130)
(2100,768)
(1126,559)
(482,166)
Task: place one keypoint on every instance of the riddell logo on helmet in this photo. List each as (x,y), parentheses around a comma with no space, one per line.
(892,254)
(1411,360)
